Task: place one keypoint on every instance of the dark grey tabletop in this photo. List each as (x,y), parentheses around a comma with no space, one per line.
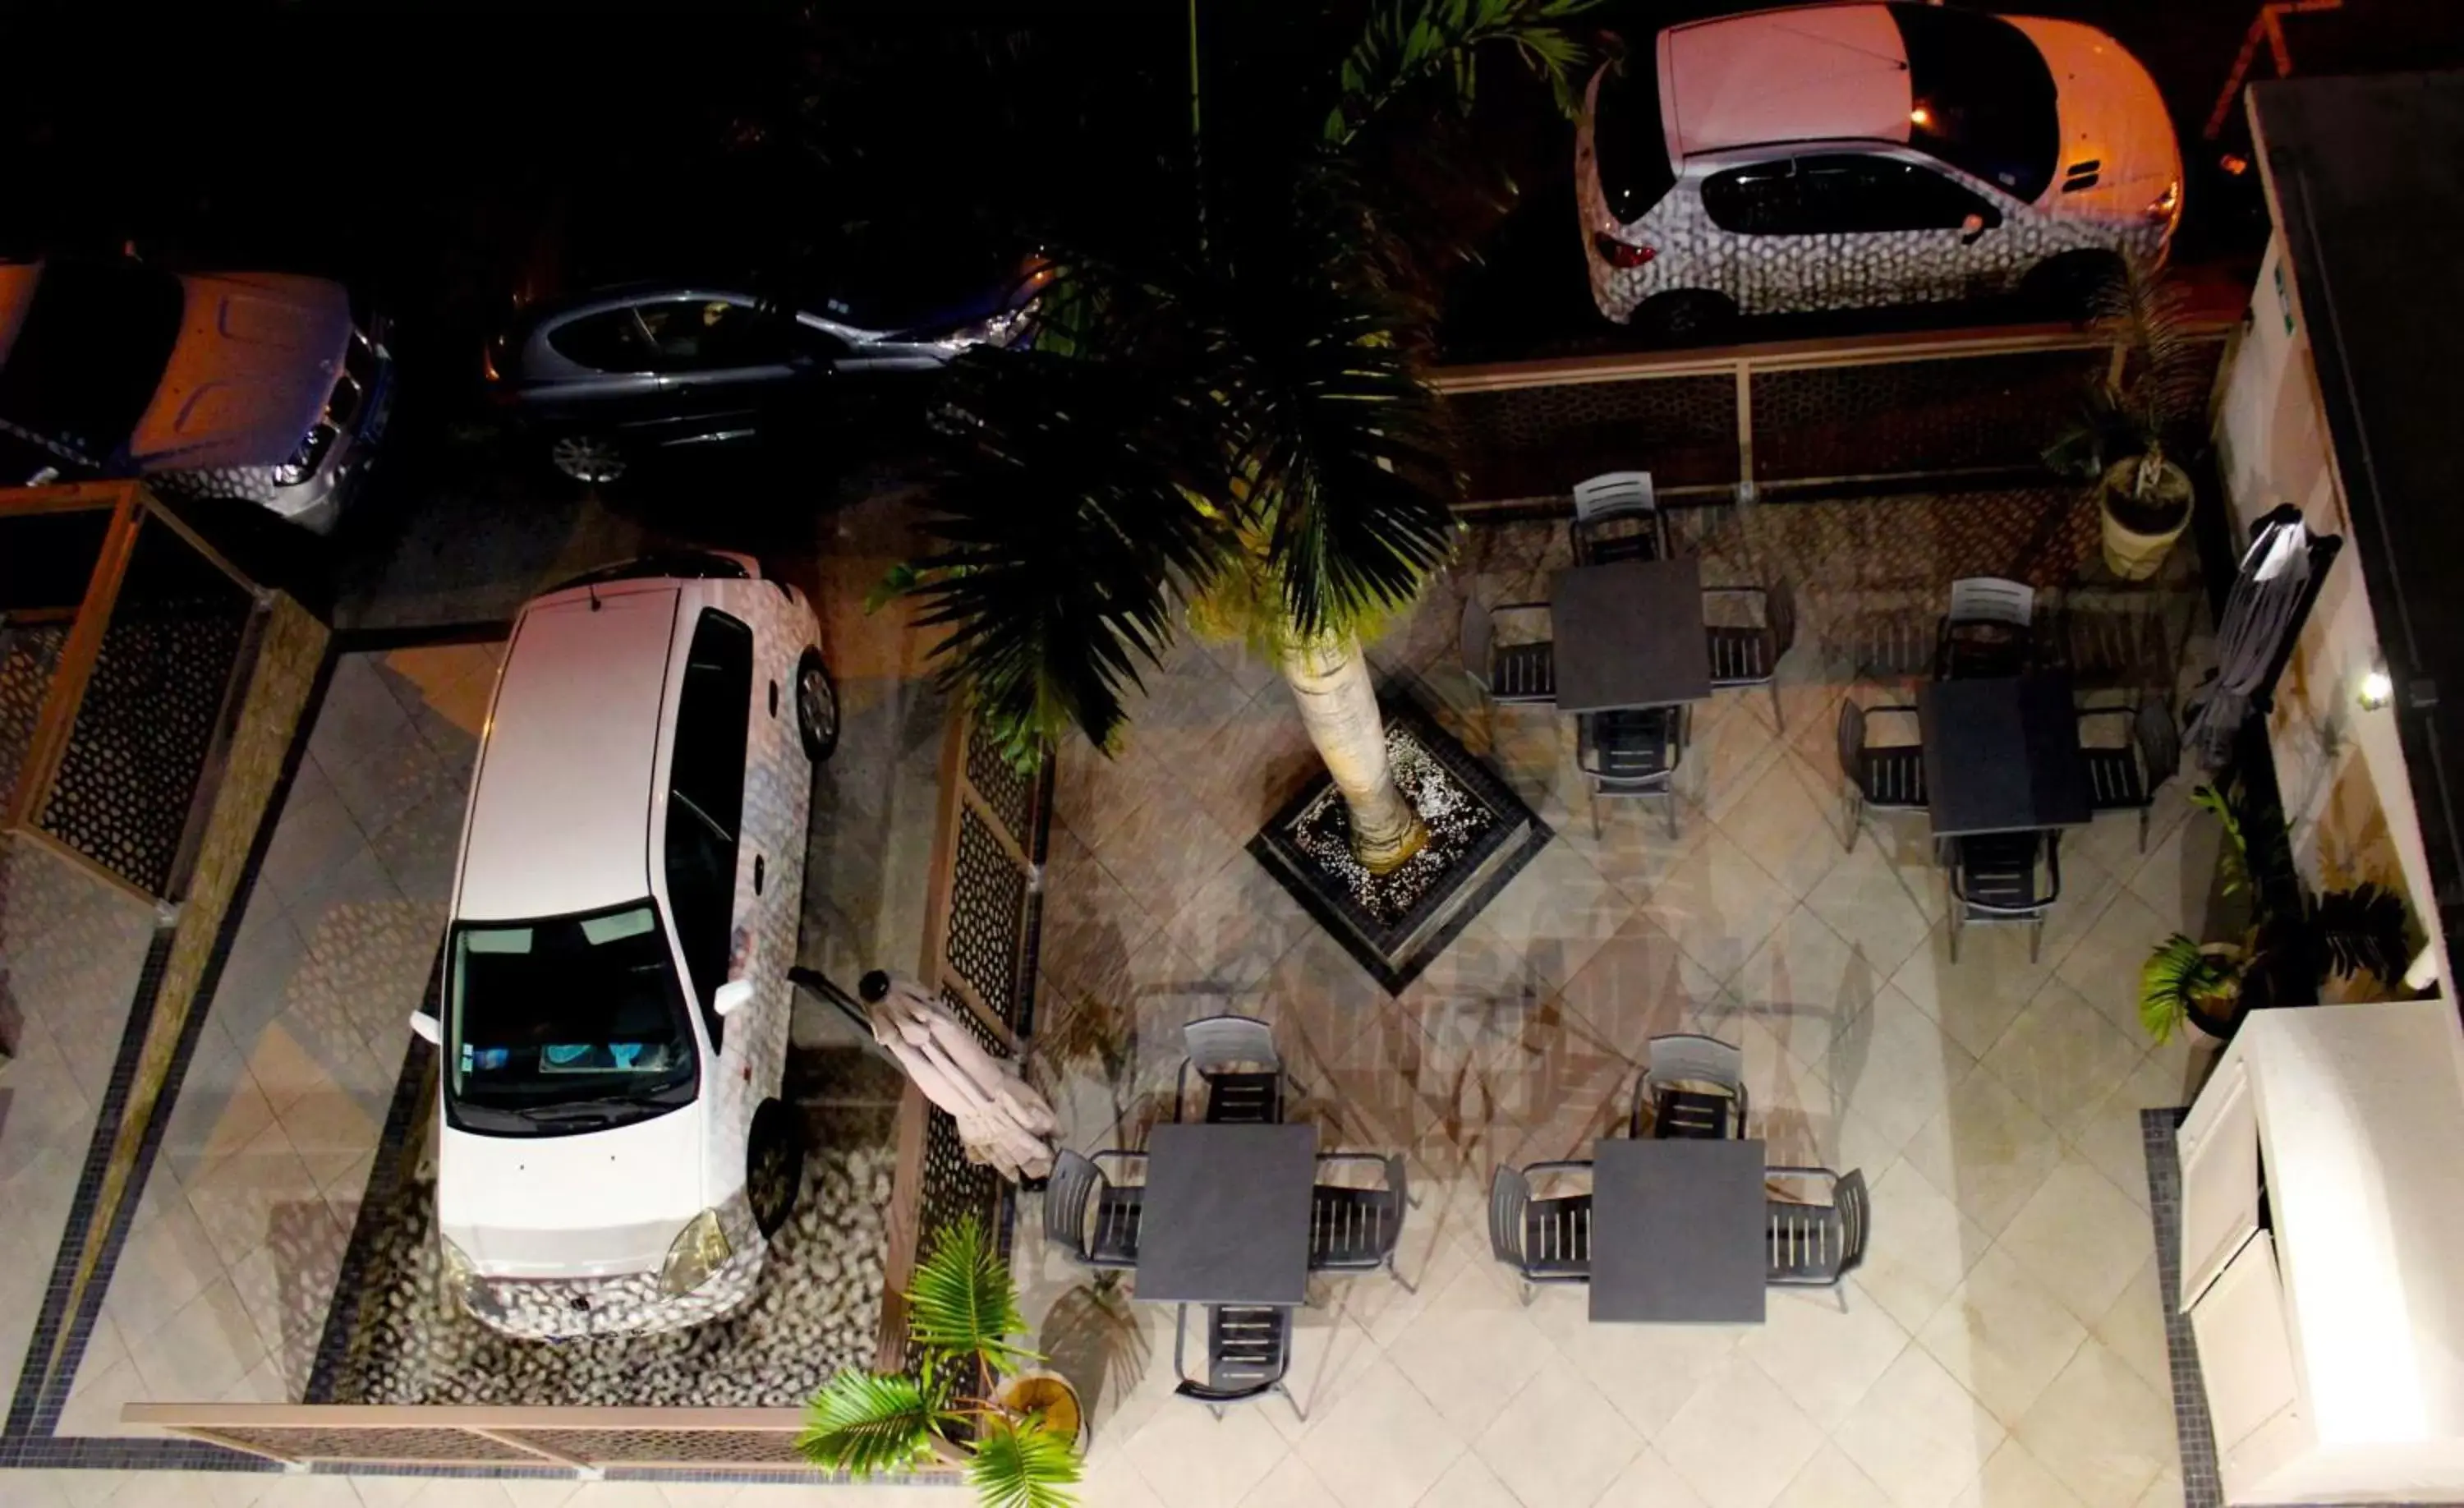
(1227,1213)
(1628,634)
(2001,754)
(1678,1231)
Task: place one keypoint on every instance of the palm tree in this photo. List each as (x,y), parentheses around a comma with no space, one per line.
(961,1312)
(1225,413)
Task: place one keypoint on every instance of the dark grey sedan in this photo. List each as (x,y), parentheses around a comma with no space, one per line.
(614,377)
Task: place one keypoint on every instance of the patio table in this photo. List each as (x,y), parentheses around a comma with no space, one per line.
(1227,1215)
(2001,754)
(1628,634)
(1677,1232)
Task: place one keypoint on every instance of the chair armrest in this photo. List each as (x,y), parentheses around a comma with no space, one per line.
(1120,1153)
(1536,1170)
(1391,1166)
(2083,713)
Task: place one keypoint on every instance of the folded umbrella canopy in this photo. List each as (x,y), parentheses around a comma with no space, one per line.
(1002,1123)
(2269,596)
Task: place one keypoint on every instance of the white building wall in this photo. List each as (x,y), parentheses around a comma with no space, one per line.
(2347,798)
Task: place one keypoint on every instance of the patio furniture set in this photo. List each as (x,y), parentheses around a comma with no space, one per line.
(1680,1221)
(1998,764)
(1229,1213)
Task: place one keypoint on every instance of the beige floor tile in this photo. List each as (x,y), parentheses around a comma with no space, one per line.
(1639,985)
(1193,1460)
(1739,1441)
(2014,1478)
(1728,753)
(2062,1056)
(159,1270)
(2082,1238)
(1885,894)
(2003,1335)
(239,1199)
(1627,841)
(1558,911)
(1376,1442)
(1976,999)
(2110,1136)
(1560,1441)
(2134,1328)
(202,1351)
(2164,1492)
(1922,1246)
(1470,1483)
(1238,926)
(1785,821)
(1822,1356)
(1113,1481)
(1831,1481)
(1719,904)
(1647,1373)
(1987,1150)
(220,1108)
(2100,1429)
(1291,1484)
(1806,983)
(2179,873)
(1471,1349)
(1890,1072)
(2104,965)
(93,1408)
(1919,1435)
(1649,1480)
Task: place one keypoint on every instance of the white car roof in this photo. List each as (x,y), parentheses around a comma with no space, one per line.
(1817,72)
(560,812)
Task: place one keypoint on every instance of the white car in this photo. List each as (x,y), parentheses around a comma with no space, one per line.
(613,1154)
(1836,155)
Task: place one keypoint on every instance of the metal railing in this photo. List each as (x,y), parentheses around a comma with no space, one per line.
(1803,416)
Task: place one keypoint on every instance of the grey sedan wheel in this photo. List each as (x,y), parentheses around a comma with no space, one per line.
(817,706)
(587,457)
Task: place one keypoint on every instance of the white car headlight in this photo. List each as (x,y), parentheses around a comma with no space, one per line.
(699,1250)
(463,1283)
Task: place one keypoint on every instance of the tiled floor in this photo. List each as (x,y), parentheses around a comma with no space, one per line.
(256,1490)
(70,948)
(222,1289)
(2001,1347)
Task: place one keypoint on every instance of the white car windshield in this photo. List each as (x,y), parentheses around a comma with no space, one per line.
(566,1023)
(1981,98)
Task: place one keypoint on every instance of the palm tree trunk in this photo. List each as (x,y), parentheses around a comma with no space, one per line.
(1329,680)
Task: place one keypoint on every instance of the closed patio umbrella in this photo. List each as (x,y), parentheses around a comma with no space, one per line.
(2265,603)
(1003,1122)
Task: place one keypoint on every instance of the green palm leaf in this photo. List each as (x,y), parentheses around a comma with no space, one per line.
(1022,1466)
(961,1303)
(862,1424)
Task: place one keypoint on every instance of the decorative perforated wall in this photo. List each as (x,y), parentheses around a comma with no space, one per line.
(987,916)
(1538,442)
(1893,418)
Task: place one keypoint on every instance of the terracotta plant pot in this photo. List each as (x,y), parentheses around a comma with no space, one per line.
(2139,535)
(2218,1028)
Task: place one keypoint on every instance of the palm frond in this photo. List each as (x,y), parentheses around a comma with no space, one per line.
(2360,930)
(2175,975)
(961,1303)
(1409,43)
(862,1424)
(1063,545)
(1023,1465)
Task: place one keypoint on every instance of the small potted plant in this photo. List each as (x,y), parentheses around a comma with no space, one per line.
(2280,959)
(2156,391)
(969,1399)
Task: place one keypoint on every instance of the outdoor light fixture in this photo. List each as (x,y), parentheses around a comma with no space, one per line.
(1921,116)
(2378,688)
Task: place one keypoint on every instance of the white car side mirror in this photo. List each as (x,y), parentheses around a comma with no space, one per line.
(427,1028)
(733,997)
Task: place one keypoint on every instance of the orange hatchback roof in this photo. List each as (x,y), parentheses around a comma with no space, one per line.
(1799,74)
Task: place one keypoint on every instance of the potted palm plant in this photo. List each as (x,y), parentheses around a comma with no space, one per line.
(969,1397)
(2155,389)
(2280,959)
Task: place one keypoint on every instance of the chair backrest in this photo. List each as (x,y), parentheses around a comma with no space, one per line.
(1248,1350)
(1855,1218)
(1075,1184)
(1992,600)
(1690,1056)
(1612,494)
(1510,1195)
(1215,1042)
(1636,744)
(1852,742)
(1997,872)
(1479,641)
(2160,744)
